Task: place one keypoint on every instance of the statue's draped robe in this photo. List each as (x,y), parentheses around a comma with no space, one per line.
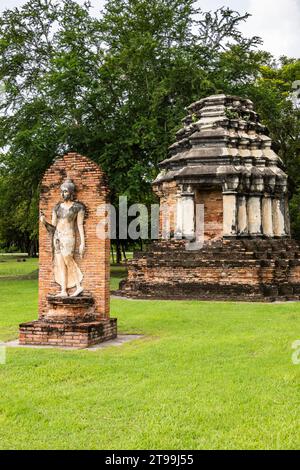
(64,239)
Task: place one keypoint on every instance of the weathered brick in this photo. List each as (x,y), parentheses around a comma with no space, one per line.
(221,270)
(66,323)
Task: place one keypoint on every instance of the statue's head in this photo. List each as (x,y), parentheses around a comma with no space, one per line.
(68,190)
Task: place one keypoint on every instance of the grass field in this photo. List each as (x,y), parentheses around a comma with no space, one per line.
(205,376)
(17,265)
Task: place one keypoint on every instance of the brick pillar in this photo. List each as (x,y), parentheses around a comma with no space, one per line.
(279,216)
(287,216)
(242,215)
(267,219)
(179,216)
(254,205)
(229,215)
(83,320)
(230,212)
(188,213)
(92,191)
(280,209)
(254,215)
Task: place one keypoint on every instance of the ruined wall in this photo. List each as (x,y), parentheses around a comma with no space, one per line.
(212,199)
(167,194)
(227,269)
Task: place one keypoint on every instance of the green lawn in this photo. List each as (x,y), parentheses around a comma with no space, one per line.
(117,273)
(16,265)
(206,375)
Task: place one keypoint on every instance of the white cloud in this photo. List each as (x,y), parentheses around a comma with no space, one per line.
(10,4)
(238,5)
(275,21)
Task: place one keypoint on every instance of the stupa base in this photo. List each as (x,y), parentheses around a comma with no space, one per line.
(242,270)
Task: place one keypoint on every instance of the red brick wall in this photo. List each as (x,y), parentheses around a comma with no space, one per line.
(211,274)
(167,193)
(92,191)
(213,208)
(234,269)
(213,212)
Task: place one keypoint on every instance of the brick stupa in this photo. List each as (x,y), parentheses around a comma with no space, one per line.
(84,320)
(223,163)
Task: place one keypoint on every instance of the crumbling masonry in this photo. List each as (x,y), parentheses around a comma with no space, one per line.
(237,245)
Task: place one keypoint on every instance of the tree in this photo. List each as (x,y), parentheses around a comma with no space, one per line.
(273,95)
(113,88)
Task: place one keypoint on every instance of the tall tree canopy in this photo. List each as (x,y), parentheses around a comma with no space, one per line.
(114,88)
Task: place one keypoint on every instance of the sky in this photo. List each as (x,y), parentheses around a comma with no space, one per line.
(275,21)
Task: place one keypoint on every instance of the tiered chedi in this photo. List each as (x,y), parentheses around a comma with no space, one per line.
(223,159)
(224,187)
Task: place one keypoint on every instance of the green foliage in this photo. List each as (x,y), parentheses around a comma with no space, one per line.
(115,89)
(231,114)
(272,93)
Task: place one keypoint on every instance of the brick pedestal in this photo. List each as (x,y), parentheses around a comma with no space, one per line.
(67,334)
(69,321)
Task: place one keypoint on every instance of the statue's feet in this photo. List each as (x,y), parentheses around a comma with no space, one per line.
(63,293)
(77,292)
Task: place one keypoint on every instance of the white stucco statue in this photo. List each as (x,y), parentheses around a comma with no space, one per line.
(65,216)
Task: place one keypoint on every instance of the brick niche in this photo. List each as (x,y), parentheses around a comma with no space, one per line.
(84,320)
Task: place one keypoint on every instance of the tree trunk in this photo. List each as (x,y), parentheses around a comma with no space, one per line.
(112,253)
(124,251)
(119,253)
